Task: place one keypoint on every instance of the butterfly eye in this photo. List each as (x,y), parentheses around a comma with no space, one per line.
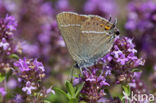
(117,32)
(107,27)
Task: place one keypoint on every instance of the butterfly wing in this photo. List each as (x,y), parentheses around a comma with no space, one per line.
(95,41)
(85,37)
(69,24)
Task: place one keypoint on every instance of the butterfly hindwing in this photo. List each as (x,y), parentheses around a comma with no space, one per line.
(95,39)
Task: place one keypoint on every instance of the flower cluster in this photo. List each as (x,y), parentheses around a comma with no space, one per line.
(141,24)
(94,84)
(122,57)
(123,54)
(117,64)
(30,73)
(7,27)
(7,44)
(137,85)
(142,16)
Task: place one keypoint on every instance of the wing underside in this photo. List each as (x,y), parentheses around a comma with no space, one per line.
(85,37)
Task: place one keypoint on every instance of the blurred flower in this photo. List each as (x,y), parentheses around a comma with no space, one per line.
(11,84)
(141,16)
(7,44)
(63,5)
(101,7)
(3,9)
(26,48)
(153,78)
(102,100)
(141,23)
(50,91)
(138,86)
(7,27)
(28,88)
(2,91)
(18,98)
(4,44)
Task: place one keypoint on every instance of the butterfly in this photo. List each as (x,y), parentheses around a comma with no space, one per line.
(87,37)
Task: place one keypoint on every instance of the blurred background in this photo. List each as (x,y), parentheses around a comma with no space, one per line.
(38,35)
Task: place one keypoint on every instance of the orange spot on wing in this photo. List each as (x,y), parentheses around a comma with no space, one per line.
(107,27)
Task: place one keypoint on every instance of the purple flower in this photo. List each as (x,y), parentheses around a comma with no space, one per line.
(102,81)
(46,9)
(123,53)
(29,65)
(18,98)
(29,88)
(11,23)
(102,100)
(94,82)
(39,65)
(63,5)
(23,65)
(7,27)
(101,7)
(4,44)
(77,80)
(11,84)
(141,23)
(50,91)
(122,60)
(2,91)
(26,48)
(141,16)
(30,73)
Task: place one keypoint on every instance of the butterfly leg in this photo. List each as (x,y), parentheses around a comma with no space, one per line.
(71,74)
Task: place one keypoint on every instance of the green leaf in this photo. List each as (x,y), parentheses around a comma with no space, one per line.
(61,91)
(14,56)
(69,96)
(79,89)
(126,89)
(2,77)
(136,70)
(7,75)
(70,88)
(46,101)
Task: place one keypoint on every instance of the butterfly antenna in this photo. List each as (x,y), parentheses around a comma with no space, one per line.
(114,24)
(110,18)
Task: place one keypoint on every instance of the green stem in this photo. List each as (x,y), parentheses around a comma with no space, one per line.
(73,101)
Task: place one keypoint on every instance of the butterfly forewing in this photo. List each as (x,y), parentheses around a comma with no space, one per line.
(69,25)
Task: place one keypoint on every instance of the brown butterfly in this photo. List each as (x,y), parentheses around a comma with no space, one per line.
(87,37)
